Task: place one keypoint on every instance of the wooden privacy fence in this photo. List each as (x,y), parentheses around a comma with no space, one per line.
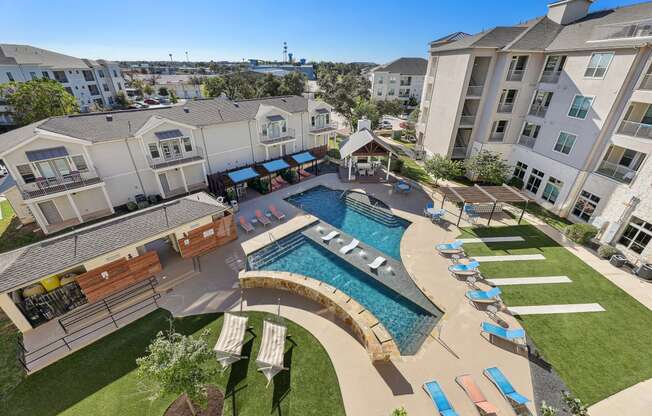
(203,239)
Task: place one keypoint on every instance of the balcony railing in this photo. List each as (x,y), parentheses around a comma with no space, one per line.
(69,182)
(527,141)
(505,107)
(646,84)
(322,127)
(467,120)
(550,77)
(538,110)
(459,152)
(515,75)
(497,137)
(405,84)
(634,129)
(615,171)
(173,160)
(475,90)
(280,136)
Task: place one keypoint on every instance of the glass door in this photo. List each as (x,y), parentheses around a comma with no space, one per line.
(54,169)
(171,149)
(273,130)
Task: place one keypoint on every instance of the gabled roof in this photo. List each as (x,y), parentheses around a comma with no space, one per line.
(359,139)
(30,55)
(405,66)
(450,38)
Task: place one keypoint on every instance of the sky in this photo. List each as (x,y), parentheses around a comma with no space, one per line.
(332,30)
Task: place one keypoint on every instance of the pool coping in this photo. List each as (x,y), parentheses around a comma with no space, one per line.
(367,329)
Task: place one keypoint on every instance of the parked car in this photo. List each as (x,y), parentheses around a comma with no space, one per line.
(403,125)
(151,101)
(385,125)
(3,171)
(139,104)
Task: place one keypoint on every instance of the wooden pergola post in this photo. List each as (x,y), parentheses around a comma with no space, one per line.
(522,212)
(515,192)
(389,160)
(463,203)
(443,199)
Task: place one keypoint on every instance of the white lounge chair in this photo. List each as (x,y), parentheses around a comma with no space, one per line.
(377,262)
(229,345)
(328,237)
(347,248)
(272,349)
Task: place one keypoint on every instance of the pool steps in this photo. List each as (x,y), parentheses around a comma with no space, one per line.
(371,211)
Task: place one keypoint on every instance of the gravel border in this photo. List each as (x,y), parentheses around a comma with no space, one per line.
(547,384)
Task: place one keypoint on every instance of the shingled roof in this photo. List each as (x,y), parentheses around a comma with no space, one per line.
(405,66)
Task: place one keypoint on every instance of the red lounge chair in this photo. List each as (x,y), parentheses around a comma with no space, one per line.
(262,218)
(246,225)
(276,213)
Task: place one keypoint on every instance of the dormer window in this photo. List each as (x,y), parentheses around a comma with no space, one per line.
(276,125)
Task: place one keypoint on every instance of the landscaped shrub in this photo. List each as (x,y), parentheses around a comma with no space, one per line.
(289,175)
(260,185)
(396,165)
(516,182)
(131,206)
(580,233)
(606,251)
(334,154)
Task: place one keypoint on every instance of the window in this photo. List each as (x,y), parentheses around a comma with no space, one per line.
(565,143)
(119,86)
(517,68)
(498,130)
(553,68)
(105,86)
(392,80)
(598,65)
(45,75)
(115,73)
(529,134)
(380,80)
(69,90)
(26,173)
(88,75)
(391,91)
(580,107)
(100,73)
(312,120)
(10,76)
(637,235)
(153,151)
(586,205)
(264,129)
(519,170)
(80,163)
(507,99)
(33,75)
(187,145)
(534,181)
(540,104)
(93,89)
(60,76)
(552,189)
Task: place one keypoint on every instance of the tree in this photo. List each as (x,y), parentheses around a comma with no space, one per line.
(214,86)
(488,167)
(268,86)
(412,102)
(121,99)
(148,89)
(364,109)
(138,85)
(37,99)
(173,97)
(163,91)
(340,86)
(293,84)
(440,167)
(239,86)
(390,107)
(177,364)
(414,117)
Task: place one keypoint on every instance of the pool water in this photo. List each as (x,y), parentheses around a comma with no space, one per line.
(379,230)
(407,322)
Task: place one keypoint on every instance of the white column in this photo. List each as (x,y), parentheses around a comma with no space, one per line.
(160,187)
(13,313)
(183,179)
(266,152)
(203,169)
(74,207)
(389,160)
(350,167)
(108,200)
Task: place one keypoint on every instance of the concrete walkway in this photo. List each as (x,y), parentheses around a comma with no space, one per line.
(556,309)
(491,240)
(543,280)
(513,257)
(634,401)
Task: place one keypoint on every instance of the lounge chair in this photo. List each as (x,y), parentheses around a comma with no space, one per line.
(462,269)
(484,296)
(471,213)
(515,337)
(262,218)
(439,398)
(505,387)
(475,394)
(275,184)
(377,262)
(450,248)
(245,225)
(276,213)
(229,345)
(303,173)
(281,181)
(272,349)
(349,247)
(328,237)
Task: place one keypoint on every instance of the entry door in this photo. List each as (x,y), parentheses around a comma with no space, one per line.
(50,212)
(164,183)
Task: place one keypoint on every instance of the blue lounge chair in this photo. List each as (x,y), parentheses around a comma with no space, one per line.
(505,387)
(484,296)
(450,248)
(500,332)
(439,398)
(464,269)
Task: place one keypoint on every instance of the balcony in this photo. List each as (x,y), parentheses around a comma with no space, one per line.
(646,84)
(505,107)
(271,138)
(538,110)
(323,127)
(459,152)
(497,136)
(467,120)
(615,171)
(527,141)
(163,162)
(405,83)
(634,129)
(550,77)
(474,90)
(69,182)
(515,75)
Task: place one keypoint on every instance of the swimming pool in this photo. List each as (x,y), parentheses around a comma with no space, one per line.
(370,224)
(408,323)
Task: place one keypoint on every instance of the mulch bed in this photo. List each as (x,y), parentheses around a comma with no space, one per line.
(215,405)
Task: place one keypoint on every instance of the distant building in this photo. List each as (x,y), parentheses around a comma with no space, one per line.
(283,69)
(182,85)
(401,79)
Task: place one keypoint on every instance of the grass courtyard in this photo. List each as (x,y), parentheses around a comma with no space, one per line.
(10,237)
(596,354)
(101,378)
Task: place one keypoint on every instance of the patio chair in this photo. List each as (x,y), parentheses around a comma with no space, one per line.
(379,261)
(303,173)
(450,248)
(276,213)
(272,349)
(262,218)
(228,347)
(328,237)
(471,213)
(472,390)
(349,247)
(468,269)
(484,296)
(245,225)
(505,387)
(439,398)
(281,181)
(275,184)
(516,337)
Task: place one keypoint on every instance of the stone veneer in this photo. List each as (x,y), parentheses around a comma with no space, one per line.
(365,326)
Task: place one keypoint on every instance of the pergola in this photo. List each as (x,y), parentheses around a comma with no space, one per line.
(477,194)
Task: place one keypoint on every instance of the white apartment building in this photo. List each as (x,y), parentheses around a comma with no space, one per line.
(182,85)
(566,99)
(401,79)
(73,169)
(91,82)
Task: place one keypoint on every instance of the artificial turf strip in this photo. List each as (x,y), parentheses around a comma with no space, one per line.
(101,380)
(596,354)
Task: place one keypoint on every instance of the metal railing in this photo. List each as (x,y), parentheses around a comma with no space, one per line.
(405,84)
(459,152)
(324,126)
(505,107)
(515,75)
(646,83)
(527,141)
(474,90)
(615,171)
(496,137)
(634,129)
(550,77)
(287,134)
(466,119)
(197,153)
(538,110)
(69,182)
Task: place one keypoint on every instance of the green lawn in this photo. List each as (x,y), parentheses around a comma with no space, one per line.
(101,379)
(544,215)
(596,354)
(10,238)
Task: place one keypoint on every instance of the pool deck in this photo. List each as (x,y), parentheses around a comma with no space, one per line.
(368,389)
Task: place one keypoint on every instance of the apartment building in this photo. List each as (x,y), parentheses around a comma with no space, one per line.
(93,83)
(74,169)
(401,79)
(566,99)
(183,85)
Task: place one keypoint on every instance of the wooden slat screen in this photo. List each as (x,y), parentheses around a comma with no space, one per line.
(207,237)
